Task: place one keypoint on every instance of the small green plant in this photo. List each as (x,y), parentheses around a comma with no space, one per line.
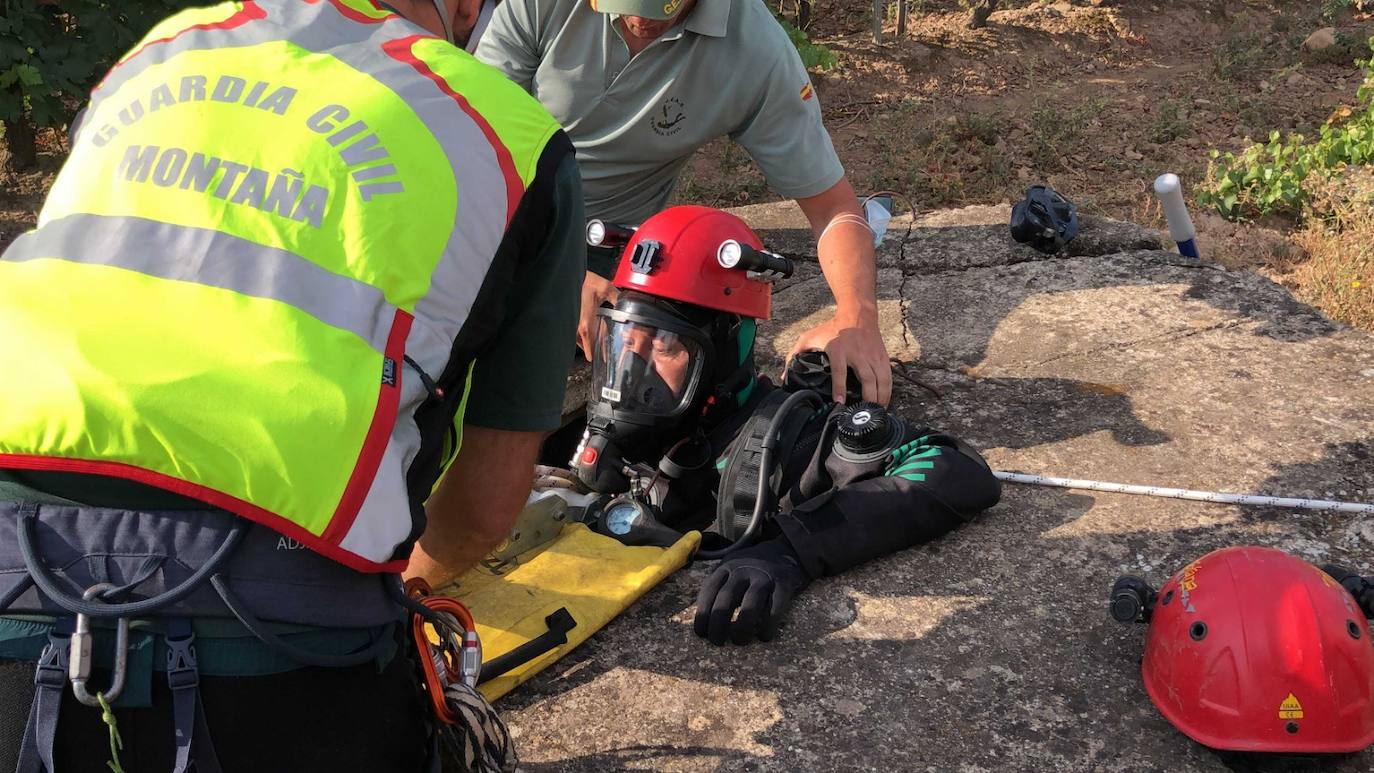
(1332,9)
(813,55)
(1273,177)
(987,128)
(1055,131)
(1238,55)
(1169,123)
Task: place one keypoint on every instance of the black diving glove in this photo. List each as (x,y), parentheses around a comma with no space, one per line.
(760,581)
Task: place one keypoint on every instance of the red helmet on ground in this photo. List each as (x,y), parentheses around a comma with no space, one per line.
(1251,649)
(677,254)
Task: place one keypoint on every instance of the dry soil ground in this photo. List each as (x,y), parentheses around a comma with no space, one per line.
(1096,97)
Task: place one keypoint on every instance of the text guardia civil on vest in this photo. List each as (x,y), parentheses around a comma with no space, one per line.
(286,193)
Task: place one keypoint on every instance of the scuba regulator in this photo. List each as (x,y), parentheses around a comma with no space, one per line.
(865,433)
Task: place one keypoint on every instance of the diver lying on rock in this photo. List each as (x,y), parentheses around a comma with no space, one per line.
(684,433)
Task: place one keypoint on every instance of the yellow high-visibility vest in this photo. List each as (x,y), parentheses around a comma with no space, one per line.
(275,216)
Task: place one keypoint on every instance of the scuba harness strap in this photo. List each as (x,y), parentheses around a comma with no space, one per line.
(739,481)
(188,715)
(40,735)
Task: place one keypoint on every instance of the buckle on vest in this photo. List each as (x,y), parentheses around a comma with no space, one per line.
(183,671)
(53,663)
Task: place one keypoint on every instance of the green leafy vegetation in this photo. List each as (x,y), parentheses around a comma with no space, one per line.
(51,55)
(1276,177)
(1238,55)
(813,55)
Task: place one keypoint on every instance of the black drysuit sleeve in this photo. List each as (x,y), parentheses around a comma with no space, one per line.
(935,484)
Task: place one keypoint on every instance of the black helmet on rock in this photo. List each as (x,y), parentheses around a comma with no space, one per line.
(1044,219)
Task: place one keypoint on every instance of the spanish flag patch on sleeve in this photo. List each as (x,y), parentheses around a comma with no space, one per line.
(807,92)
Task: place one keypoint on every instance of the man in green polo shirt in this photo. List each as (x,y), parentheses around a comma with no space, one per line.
(639,85)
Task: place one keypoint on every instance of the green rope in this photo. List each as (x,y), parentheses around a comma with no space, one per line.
(116,743)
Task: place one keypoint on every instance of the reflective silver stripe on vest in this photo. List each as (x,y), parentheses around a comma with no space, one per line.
(480,220)
(216,259)
(282,16)
(479,226)
(481,216)
(478,229)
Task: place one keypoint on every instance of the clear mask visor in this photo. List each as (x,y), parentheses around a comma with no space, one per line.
(643,369)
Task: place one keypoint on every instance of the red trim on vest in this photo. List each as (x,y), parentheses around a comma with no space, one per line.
(378,435)
(251,11)
(204,494)
(400,50)
(354,15)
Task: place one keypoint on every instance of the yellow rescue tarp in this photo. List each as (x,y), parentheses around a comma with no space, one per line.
(594,577)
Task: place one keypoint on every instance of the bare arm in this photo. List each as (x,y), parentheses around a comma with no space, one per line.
(477,502)
(851,338)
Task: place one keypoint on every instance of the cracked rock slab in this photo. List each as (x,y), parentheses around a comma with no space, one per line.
(991,649)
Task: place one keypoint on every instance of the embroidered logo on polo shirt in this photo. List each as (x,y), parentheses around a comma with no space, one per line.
(807,92)
(668,121)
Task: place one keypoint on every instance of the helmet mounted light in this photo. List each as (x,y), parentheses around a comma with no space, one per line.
(603,234)
(679,337)
(760,264)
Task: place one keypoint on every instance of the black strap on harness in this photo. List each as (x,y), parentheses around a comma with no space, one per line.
(188,715)
(739,482)
(194,748)
(40,735)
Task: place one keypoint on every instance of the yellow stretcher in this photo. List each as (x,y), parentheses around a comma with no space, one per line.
(594,577)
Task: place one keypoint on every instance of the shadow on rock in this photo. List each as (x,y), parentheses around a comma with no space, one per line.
(865,659)
(1028,412)
(992,646)
(1346,474)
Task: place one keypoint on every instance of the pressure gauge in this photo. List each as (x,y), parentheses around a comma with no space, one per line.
(621,514)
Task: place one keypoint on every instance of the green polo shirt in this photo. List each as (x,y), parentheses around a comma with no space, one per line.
(728,68)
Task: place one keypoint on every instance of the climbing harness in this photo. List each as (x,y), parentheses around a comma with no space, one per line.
(452,654)
(174,567)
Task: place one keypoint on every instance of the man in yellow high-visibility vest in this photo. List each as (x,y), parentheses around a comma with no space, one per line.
(308,263)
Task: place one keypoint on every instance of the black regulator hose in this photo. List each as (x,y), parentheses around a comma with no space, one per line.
(763,496)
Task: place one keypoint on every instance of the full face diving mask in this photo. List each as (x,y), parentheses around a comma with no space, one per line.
(693,282)
(652,373)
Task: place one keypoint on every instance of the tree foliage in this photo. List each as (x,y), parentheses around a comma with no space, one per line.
(52,53)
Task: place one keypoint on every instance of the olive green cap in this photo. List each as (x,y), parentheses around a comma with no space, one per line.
(649,9)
